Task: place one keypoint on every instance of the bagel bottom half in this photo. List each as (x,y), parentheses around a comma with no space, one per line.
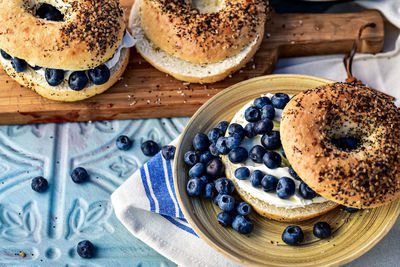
(37,82)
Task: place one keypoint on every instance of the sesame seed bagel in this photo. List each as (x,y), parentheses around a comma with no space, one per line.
(364,177)
(88,36)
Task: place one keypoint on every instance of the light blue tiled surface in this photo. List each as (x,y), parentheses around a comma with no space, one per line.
(48,226)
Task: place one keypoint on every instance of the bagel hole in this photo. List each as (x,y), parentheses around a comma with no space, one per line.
(346,143)
(207,6)
(43,9)
(343,133)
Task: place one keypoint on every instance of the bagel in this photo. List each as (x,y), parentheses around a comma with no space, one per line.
(365,175)
(196,46)
(63,35)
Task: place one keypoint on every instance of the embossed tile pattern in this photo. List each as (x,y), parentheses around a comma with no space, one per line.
(47,226)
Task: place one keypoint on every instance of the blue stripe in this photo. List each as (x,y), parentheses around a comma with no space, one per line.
(171,182)
(147,190)
(159,186)
(179,225)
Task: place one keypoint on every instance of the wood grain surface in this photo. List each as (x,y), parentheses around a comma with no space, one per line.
(144,92)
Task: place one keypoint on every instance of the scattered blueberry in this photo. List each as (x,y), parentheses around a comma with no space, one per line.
(249,130)
(285,188)
(243,209)
(213,150)
(261,102)
(238,155)
(205,179)
(201,142)
(226,202)
(293,235)
(78,80)
(283,154)
(85,249)
(322,230)
(195,187)
(197,170)
(268,112)
(293,173)
(236,128)
(272,159)
(54,77)
(191,158)
(223,125)
(124,143)
(18,64)
(346,143)
(233,141)
(79,175)
(224,186)
(150,148)
(216,198)
(214,134)
(221,146)
(252,114)
(242,225)
(350,209)
(209,190)
(306,192)
(49,12)
(272,140)
(242,173)
(279,100)
(264,126)
(39,184)
(215,168)
(269,183)
(256,153)
(168,152)
(5,55)
(99,75)
(205,157)
(256,177)
(225,219)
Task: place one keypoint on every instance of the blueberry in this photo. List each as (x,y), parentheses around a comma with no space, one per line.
(197,170)
(242,173)
(252,114)
(350,209)
(293,235)
(54,77)
(221,146)
(214,134)
(272,140)
(238,155)
(346,143)
(233,141)
(256,177)
(261,102)
(205,179)
(150,148)
(226,202)
(223,125)
(191,158)
(243,208)
(49,12)
(124,143)
(209,190)
(216,199)
(39,184)
(78,80)
(279,100)
(285,188)
(236,128)
(19,65)
(215,168)
(268,112)
(205,157)
(213,150)
(225,219)
(35,67)
(306,192)
(242,225)
(283,154)
(200,142)
(293,173)
(224,186)
(168,152)
(269,183)
(257,153)
(5,55)
(85,249)
(194,187)
(249,130)
(264,126)
(322,230)
(99,75)
(79,175)
(272,159)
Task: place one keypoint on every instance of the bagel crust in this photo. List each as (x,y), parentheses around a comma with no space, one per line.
(365,177)
(89,35)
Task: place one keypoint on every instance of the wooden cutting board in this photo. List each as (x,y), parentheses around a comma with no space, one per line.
(144,92)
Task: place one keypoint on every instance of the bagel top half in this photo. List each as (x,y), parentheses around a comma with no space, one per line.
(89,35)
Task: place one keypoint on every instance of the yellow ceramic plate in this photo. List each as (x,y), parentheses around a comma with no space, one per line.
(352,236)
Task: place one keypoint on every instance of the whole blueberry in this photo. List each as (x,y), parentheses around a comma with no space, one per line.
(346,143)
(150,148)
(205,157)
(257,153)
(49,12)
(194,187)
(223,125)
(214,134)
(271,140)
(124,142)
(233,141)
(269,183)
(191,158)
(236,128)
(39,184)
(293,235)
(215,168)
(294,174)
(322,230)
(242,173)
(205,179)
(272,159)
(243,208)
(54,77)
(261,102)
(209,190)
(350,209)
(252,114)
(264,126)
(306,192)
(283,154)
(267,112)
(213,149)
(279,100)
(99,75)
(168,152)
(242,225)
(225,219)
(5,55)
(238,155)
(285,188)
(222,146)
(200,142)
(256,177)
(216,198)
(249,130)
(224,186)
(18,64)
(197,170)
(78,80)
(85,249)
(226,202)
(79,175)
